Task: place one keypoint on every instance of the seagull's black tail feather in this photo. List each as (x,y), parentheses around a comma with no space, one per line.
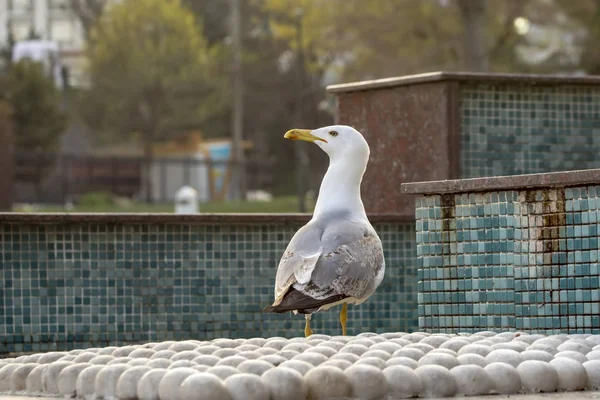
(294,300)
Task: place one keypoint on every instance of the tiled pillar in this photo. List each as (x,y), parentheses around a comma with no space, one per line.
(463,125)
(509,253)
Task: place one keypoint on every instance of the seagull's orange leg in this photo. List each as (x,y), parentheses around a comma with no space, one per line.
(307,330)
(344,317)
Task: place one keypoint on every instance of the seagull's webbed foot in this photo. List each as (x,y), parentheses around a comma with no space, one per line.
(344,318)
(307,330)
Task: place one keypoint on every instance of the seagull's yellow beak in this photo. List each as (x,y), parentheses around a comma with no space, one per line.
(302,134)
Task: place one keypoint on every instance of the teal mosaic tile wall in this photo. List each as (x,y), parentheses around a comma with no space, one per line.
(81,285)
(524,260)
(509,129)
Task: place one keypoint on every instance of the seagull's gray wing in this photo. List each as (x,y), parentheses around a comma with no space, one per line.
(325,262)
(298,260)
(352,260)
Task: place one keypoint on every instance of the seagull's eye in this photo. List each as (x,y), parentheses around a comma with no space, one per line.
(333,133)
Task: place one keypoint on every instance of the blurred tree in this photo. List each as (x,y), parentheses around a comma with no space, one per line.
(88,12)
(35,101)
(355,40)
(152,73)
(586,13)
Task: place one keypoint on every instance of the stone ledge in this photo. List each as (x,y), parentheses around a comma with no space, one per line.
(167,218)
(511,182)
(529,79)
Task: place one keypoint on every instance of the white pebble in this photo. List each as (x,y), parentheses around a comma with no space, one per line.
(188,355)
(388,347)
(128,382)
(575,355)
(48,358)
(425,348)
(536,355)
(67,379)
(34,379)
(404,361)
(285,384)
(383,355)
(232,361)
(415,354)
(32,358)
(5,374)
(474,348)
(123,351)
(444,351)
(50,376)
(142,353)
(516,346)
(246,387)
(301,366)
(101,359)
(434,341)
(436,381)
(537,376)
(255,367)
(511,357)
(414,337)
(311,358)
(119,360)
(571,374)
(325,351)
(18,379)
(593,355)
(504,377)
(107,378)
(182,346)
(159,363)
(207,349)
(346,356)
(206,359)
(327,382)
(165,354)
(357,349)
(373,361)
(86,381)
(574,345)
(548,341)
(543,347)
(592,369)
(471,380)
(203,386)
(181,364)
(226,352)
(368,382)
(445,360)
(249,355)
(168,388)
(299,347)
(273,359)
(403,382)
(266,351)
(84,357)
(454,344)
(341,364)
(288,354)
(147,388)
(223,371)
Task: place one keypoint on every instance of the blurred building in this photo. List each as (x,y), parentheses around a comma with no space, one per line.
(50,21)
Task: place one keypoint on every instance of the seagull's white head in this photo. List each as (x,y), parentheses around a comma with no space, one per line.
(348,157)
(342,143)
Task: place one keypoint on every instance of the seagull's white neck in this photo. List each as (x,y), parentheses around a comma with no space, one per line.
(340,189)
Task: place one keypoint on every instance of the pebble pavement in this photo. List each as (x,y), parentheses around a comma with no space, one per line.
(368,366)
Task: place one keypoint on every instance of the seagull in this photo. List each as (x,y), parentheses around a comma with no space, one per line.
(337,257)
